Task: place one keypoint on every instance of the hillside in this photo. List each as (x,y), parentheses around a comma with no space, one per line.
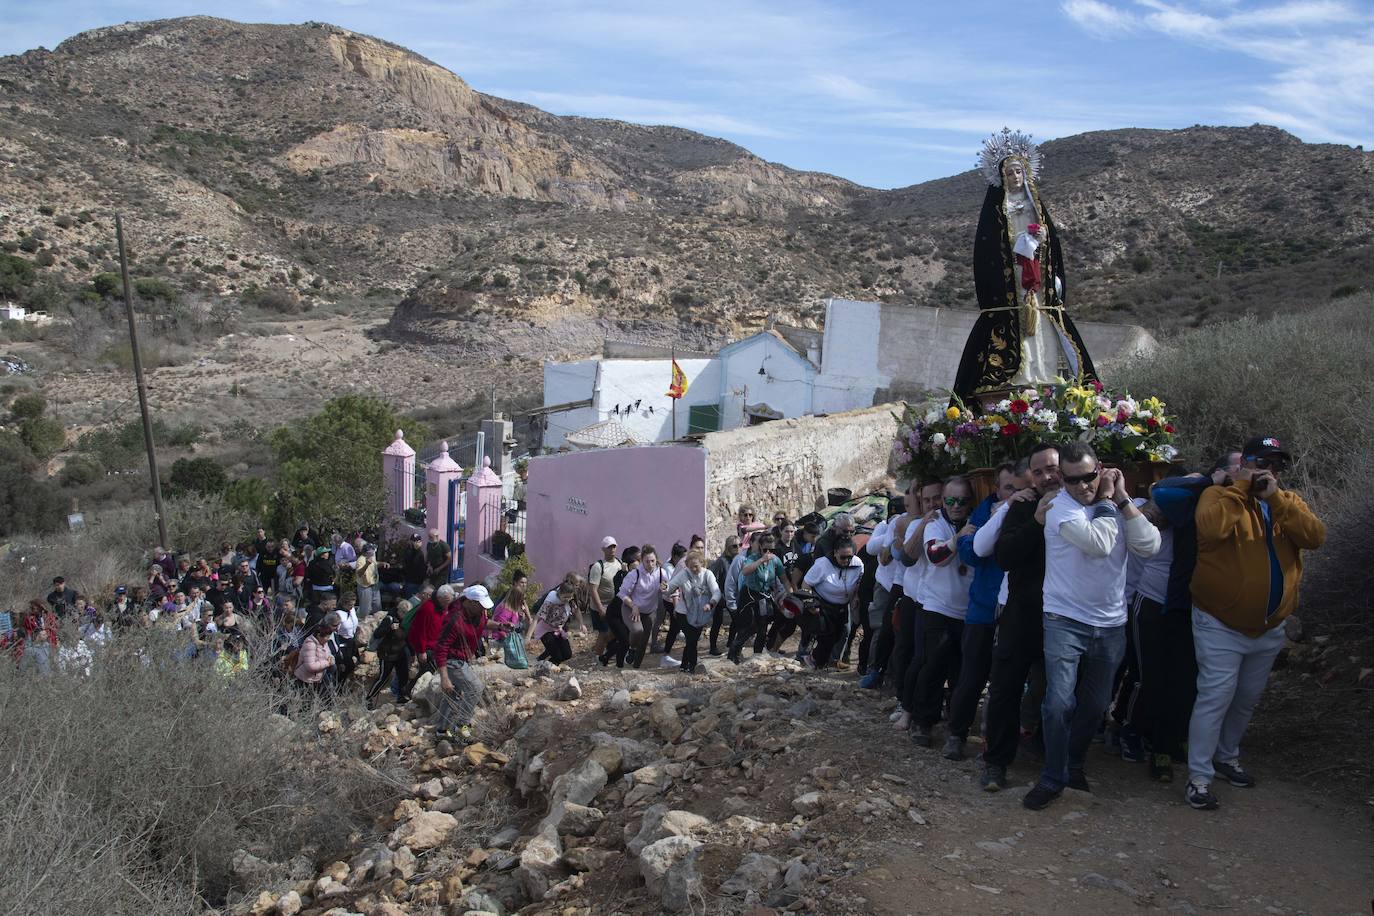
(266,169)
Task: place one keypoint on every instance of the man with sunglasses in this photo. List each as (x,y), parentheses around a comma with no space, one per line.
(1250,538)
(942,596)
(906,547)
(1091,526)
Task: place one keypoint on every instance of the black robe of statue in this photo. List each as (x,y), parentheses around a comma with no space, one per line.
(992,355)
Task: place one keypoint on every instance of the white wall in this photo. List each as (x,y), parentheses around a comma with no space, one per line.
(849,374)
(786,384)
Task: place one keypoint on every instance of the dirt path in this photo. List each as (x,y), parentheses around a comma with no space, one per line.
(1281,848)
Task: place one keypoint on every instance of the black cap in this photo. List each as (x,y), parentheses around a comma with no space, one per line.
(1264,447)
(896,506)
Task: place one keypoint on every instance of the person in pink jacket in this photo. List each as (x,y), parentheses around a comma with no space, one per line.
(315,658)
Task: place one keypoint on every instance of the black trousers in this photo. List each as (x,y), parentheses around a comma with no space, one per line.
(883,645)
(904,618)
(675,625)
(976,652)
(557,649)
(749,625)
(941,644)
(1162,702)
(1020,643)
(913,667)
(865,635)
(690,637)
(398,668)
(829,628)
(1128,673)
(620,639)
(717,621)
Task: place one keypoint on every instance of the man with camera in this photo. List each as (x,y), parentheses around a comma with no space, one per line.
(1250,538)
(1089,528)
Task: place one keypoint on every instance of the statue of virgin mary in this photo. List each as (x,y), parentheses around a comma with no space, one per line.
(1023,336)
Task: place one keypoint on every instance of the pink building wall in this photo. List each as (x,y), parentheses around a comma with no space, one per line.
(648,494)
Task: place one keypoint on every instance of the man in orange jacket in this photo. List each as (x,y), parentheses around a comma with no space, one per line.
(1250,538)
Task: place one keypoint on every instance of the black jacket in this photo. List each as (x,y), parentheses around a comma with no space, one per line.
(1020,551)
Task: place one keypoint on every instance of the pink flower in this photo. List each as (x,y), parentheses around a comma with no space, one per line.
(1103,420)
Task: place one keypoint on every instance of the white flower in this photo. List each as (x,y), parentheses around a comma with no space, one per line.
(1080,422)
(1004,405)
(1144,414)
(937,440)
(1047,418)
(932,416)
(1168,452)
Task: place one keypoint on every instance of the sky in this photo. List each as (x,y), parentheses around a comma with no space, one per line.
(886,93)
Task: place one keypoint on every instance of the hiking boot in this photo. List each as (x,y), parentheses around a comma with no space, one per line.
(994,778)
(870,681)
(1132,749)
(920,736)
(1162,768)
(1078,780)
(1040,796)
(954,748)
(1200,797)
(714,650)
(1233,774)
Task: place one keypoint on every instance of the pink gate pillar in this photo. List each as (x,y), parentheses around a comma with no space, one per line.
(443,502)
(483,520)
(398,472)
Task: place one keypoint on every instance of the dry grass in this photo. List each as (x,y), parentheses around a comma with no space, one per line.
(130,790)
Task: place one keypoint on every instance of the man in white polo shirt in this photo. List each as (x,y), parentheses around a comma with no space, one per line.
(1090,527)
(943,597)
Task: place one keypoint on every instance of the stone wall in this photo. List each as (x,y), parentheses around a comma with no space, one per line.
(787,465)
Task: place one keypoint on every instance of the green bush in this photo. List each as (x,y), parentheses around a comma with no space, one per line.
(16,274)
(197,475)
(251,496)
(155,289)
(28,406)
(81,471)
(280,300)
(29,244)
(43,436)
(27,505)
(108,285)
(65,221)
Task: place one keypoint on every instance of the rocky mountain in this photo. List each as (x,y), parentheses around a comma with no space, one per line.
(336,165)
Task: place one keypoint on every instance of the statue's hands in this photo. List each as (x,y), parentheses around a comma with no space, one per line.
(1044,233)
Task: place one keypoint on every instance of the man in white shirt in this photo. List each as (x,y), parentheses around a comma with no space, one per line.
(942,596)
(1089,529)
(906,548)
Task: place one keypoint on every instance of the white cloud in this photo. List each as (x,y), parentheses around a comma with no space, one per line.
(1099,18)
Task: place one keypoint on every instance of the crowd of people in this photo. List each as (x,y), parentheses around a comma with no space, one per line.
(1063,608)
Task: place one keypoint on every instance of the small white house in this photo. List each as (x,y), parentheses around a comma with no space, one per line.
(753,380)
(11,312)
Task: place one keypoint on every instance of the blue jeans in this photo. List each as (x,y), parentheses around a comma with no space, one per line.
(1080,666)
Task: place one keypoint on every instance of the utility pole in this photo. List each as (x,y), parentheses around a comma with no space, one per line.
(142,388)
(673,357)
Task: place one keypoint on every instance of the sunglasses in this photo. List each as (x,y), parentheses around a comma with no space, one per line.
(1270,464)
(1090,477)
(958,500)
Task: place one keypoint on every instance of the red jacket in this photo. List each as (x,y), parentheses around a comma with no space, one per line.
(424,627)
(459,637)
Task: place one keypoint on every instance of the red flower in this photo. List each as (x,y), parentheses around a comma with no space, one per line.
(1097,386)
(1019,406)
(1169,428)
(1011,429)
(1152,423)
(1122,416)
(1103,420)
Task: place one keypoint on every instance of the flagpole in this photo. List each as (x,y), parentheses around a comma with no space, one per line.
(673,351)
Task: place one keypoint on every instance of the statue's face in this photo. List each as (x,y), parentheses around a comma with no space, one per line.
(1014,175)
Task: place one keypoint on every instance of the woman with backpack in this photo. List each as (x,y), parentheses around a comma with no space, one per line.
(642,592)
(618,612)
(389,642)
(550,624)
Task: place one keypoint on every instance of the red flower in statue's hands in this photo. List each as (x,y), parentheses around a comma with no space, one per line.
(1019,406)
(1152,423)
(1169,428)
(1011,429)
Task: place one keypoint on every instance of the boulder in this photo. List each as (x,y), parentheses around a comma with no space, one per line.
(579,820)
(425,830)
(682,884)
(808,804)
(634,754)
(757,874)
(618,700)
(659,822)
(289,904)
(539,864)
(571,690)
(588,858)
(657,858)
(579,785)
(666,721)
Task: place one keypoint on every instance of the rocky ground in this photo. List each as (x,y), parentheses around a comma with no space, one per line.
(765,788)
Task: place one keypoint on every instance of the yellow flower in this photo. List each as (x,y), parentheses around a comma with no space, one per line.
(1135,428)
(952,412)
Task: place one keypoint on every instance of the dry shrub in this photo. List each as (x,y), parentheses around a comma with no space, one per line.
(130,790)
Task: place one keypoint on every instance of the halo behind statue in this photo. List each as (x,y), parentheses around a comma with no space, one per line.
(1004,143)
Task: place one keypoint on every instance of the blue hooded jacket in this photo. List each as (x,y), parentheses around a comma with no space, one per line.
(987,575)
(1177,499)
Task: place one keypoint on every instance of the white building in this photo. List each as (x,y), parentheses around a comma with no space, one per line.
(11,312)
(753,380)
(868,353)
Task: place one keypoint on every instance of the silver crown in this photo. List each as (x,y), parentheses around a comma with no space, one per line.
(1007,142)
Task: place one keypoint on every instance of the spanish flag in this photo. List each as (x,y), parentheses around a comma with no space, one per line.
(678,387)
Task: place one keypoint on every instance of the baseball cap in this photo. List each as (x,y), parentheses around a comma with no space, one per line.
(608,541)
(479,594)
(1264,446)
(121,590)
(322,551)
(415,537)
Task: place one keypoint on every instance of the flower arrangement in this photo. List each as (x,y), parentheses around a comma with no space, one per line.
(934,443)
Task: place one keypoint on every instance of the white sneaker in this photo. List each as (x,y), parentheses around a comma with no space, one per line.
(896,714)
(668,662)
